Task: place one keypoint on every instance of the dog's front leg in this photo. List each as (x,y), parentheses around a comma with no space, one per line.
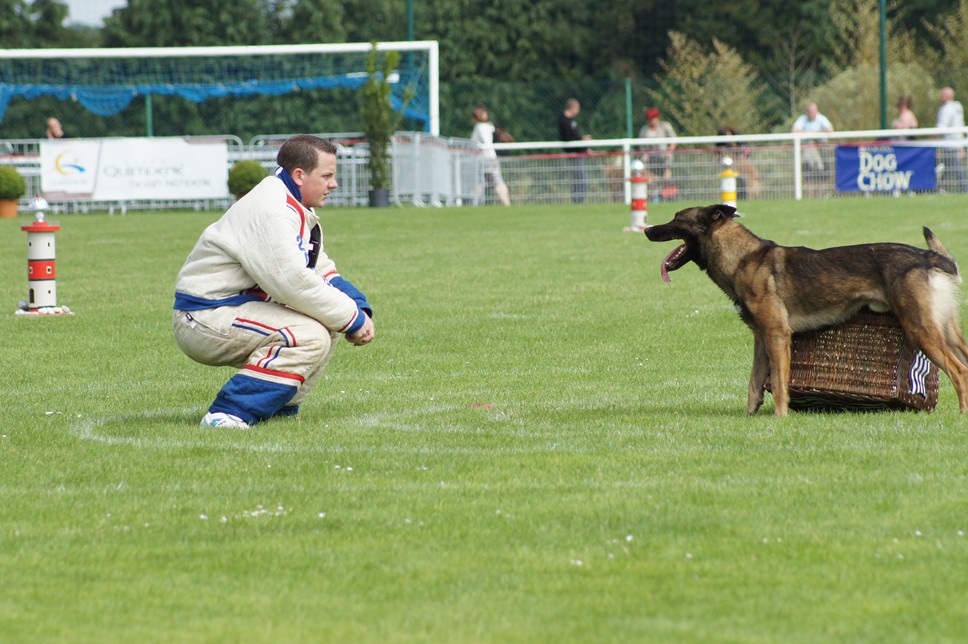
(778,343)
(759,374)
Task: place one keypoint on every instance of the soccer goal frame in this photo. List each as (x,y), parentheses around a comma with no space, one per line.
(105,81)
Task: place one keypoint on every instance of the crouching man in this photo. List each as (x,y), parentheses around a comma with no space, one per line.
(258,292)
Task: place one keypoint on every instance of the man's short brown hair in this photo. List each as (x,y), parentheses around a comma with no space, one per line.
(302,151)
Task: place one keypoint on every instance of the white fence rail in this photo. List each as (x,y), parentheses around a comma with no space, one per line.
(770,166)
(438,171)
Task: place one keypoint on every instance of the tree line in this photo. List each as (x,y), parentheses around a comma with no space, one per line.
(749,64)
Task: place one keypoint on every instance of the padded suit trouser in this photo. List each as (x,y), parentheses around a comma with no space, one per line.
(280,354)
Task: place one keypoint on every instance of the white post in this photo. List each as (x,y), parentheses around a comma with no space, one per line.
(640,198)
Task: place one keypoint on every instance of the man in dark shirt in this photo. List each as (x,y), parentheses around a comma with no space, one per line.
(568,130)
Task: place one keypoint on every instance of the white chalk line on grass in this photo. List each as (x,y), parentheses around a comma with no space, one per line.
(86,429)
(91,429)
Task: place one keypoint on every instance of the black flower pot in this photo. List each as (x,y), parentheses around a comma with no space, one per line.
(379,197)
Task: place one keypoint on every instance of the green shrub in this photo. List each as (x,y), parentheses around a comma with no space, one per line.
(380,119)
(244,176)
(12,184)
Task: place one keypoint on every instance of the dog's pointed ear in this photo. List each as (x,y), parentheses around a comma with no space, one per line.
(721,210)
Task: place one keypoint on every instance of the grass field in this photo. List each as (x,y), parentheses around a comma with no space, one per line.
(545,443)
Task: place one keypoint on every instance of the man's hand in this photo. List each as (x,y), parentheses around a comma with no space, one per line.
(364,335)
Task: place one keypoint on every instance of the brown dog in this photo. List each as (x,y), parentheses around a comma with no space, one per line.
(781,290)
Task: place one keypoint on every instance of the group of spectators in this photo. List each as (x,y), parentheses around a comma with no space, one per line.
(951,167)
(658,157)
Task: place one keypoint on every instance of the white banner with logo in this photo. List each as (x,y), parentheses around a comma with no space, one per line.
(135,168)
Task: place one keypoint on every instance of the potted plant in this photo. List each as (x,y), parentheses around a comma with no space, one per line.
(244,176)
(12,188)
(380,121)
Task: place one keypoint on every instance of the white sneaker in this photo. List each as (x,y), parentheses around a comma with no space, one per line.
(224,421)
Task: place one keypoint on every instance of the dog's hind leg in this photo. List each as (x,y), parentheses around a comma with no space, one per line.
(935,328)
(758,376)
(932,341)
(956,340)
(956,348)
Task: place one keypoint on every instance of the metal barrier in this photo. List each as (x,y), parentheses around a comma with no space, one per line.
(439,171)
(426,169)
(436,171)
(769,166)
(765,172)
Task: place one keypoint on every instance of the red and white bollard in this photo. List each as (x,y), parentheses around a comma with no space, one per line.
(41,265)
(727,182)
(640,198)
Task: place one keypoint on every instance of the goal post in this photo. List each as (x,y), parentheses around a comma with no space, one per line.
(106,80)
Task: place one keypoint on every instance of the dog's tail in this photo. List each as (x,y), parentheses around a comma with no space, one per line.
(935,244)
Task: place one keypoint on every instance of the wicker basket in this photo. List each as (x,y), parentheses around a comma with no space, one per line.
(864,364)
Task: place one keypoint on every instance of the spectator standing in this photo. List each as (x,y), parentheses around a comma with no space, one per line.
(258,292)
(951,168)
(905,120)
(813,121)
(54,129)
(658,157)
(568,130)
(483,135)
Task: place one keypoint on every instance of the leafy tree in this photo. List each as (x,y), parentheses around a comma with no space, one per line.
(33,25)
(855,39)
(704,90)
(951,35)
(306,21)
(516,39)
(380,20)
(47,23)
(851,99)
(795,72)
(184,23)
(756,29)
(852,96)
(15,27)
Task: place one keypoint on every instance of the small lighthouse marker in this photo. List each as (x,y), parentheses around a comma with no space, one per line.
(41,265)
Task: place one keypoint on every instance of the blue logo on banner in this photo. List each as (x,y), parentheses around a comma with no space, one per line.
(885,168)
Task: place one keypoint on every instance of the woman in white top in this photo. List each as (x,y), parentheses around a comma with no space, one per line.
(905,117)
(483,134)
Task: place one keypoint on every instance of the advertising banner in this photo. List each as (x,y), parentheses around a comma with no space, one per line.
(127,169)
(885,168)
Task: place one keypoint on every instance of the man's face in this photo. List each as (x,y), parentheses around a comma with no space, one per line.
(317,185)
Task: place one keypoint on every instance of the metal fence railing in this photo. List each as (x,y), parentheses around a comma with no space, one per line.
(439,171)
(765,172)
(770,166)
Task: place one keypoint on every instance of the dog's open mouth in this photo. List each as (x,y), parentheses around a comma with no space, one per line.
(674,260)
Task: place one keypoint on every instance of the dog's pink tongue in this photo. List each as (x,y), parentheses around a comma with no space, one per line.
(669,259)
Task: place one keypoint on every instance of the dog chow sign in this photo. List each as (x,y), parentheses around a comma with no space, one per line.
(885,168)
